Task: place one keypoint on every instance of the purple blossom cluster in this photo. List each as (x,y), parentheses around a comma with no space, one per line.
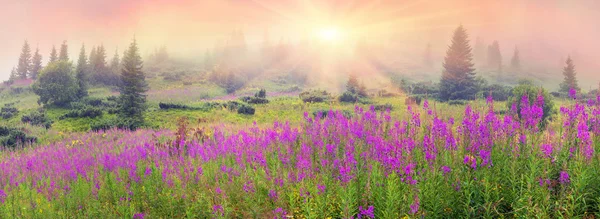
(285,159)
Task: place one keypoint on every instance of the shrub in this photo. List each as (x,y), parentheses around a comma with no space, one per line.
(92,101)
(323,113)
(17,90)
(128,124)
(414,99)
(532,92)
(166,106)
(8,111)
(37,118)
(499,92)
(315,96)
(87,111)
(10,137)
(457,102)
(262,93)
(246,110)
(56,84)
(233,105)
(348,97)
(383,107)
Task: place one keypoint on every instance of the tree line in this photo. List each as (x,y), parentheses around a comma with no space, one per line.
(60,83)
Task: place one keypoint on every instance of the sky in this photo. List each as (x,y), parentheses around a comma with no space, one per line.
(544,30)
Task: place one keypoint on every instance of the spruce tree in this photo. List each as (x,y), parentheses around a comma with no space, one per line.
(427,59)
(81,73)
(53,55)
(133,86)
(13,75)
(64,52)
(36,65)
(494,56)
(570,81)
(515,62)
(24,61)
(458,78)
(115,62)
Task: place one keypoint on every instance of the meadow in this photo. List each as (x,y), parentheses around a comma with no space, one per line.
(433,161)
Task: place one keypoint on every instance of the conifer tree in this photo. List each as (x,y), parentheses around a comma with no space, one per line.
(479,51)
(458,78)
(133,86)
(81,73)
(494,56)
(427,59)
(570,81)
(13,75)
(36,65)
(115,62)
(515,62)
(24,61)
(53,55)
(64,52)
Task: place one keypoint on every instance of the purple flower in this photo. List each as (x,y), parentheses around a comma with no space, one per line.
(2,196)
(573,93)
(547,150)
(564,177)
(273,194)
(446,170)
(279,213)
(366,212)
(139,216)
(414,208)
(218,210)
(321,189)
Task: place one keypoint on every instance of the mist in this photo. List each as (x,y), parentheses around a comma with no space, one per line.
(544,31)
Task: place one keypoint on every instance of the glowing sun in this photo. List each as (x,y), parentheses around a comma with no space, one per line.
(330,35)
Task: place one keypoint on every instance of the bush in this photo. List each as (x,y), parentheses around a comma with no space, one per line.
(246,110)
(167,106)
(87,111)
(56,84)
(457,102)
(8,111)
(323,113)
(262,93)
(16,90)
(348,97)
(383,107)
(499,92)
(232,105)
(128,124)
(414,99)
(10,137)
(37,118)
(315,96)
(532,91)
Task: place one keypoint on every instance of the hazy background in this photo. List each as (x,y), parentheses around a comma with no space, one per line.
(546,31)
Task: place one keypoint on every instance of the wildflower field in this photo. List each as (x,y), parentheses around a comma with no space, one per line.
(364,165)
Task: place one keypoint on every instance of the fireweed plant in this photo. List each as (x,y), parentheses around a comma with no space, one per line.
(367,165)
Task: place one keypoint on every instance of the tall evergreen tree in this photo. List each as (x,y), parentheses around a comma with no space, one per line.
(36,65)
(64,52)
(99,61)
(115,63)
(427,59)
(458,78)
(24,61)
(570,81)
(494,56)
(479,51)
(53,55)
(81,73)
(92,57)
(133,86)
(515,62)
(13,75)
